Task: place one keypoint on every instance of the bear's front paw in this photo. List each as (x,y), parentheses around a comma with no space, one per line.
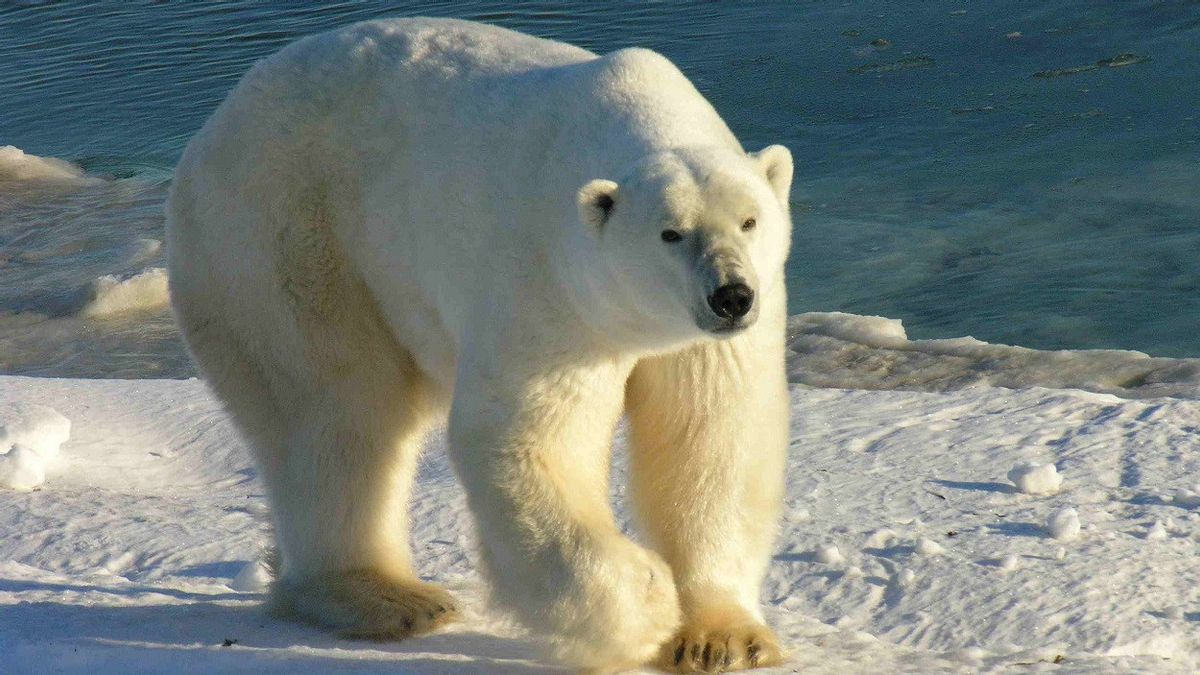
(621,608)
(366,605)
(720,642)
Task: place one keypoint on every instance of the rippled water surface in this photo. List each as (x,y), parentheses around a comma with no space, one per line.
(1022,172)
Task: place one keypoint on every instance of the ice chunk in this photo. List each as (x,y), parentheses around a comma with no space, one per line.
(17,165)
(35,427)
(141,292)
(30,436)
(22,469)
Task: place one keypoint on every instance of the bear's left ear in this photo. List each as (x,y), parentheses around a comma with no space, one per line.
(596,201)
(776,163)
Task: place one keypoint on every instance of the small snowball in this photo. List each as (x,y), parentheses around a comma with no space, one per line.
(1064,524)
(854,572)
(829,555)
(254,578)
(926,546)
(881,538)
(1157,531)
(906,577)
(22,469)
(1060,554)
(1009,562)
(1035,479)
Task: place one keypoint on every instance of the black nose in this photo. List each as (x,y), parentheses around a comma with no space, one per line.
(732,301)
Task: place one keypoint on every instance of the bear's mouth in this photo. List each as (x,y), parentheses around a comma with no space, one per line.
(727,328)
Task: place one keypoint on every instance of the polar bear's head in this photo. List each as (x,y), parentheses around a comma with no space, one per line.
(692,239)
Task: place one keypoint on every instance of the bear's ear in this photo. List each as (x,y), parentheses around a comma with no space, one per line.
(776,163)
(596,200)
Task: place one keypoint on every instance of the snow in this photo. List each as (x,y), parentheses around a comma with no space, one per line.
(1035,479)
(142,550)
(30,436)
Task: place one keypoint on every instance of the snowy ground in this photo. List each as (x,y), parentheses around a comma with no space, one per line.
(905,547)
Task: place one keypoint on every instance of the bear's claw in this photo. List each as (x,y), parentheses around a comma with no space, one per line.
(699,649)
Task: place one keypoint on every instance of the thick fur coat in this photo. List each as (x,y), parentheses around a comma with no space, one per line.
(409,222)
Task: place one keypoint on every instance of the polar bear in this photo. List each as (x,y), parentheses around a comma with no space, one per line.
(412,222)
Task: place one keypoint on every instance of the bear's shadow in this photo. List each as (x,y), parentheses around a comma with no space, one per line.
(190,637)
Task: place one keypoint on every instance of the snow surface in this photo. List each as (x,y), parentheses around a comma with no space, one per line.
(141,551)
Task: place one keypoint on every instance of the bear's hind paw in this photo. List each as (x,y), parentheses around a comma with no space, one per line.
(367,605)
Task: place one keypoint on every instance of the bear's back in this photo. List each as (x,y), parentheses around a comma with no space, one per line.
(445,49)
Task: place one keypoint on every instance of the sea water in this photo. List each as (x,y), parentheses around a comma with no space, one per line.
(1024,173)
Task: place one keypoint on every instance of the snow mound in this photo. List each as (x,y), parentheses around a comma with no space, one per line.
(112,295)
(18,166)
(1035,479)
(30,437)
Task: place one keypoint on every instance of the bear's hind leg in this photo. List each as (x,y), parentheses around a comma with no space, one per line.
(346,559)
(336,429)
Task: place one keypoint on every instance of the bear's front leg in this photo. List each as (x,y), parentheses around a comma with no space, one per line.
(709,433)
(533,454)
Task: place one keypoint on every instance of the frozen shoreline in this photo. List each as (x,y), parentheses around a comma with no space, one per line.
(127,556)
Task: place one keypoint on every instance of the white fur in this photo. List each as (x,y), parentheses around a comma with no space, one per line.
(404,219)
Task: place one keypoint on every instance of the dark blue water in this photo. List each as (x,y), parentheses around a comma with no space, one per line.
(1022,172)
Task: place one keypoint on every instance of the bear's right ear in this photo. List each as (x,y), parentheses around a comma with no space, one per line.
(596,201)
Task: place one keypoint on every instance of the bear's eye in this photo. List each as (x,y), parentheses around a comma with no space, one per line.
(671,236)
(749,224)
